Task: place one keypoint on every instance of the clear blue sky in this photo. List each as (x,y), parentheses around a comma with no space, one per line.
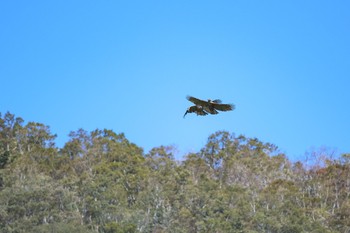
(128,66)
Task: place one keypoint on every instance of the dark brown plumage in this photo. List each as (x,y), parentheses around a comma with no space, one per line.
(211,106)
(197,109)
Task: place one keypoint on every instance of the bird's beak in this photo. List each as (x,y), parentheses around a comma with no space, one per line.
(185,114)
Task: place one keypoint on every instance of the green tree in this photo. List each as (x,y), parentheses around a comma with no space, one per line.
(101,182)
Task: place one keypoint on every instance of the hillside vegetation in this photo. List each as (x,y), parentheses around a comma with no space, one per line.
(101,182)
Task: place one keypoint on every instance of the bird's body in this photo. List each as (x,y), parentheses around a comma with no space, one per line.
(202,107)
(197,109)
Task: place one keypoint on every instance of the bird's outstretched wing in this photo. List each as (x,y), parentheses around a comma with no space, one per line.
(223,107)
(197,101)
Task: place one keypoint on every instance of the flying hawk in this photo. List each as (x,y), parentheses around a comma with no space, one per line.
(202,107)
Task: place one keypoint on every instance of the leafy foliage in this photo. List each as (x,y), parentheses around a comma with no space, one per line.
(101,182)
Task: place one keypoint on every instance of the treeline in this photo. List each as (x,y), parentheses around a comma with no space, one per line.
(101,182)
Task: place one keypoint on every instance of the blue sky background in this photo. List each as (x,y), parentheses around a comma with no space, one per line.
(128,66)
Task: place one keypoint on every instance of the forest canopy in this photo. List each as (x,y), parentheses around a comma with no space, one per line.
(99,181)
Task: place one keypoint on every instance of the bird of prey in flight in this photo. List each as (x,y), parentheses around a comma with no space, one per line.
(203,107)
